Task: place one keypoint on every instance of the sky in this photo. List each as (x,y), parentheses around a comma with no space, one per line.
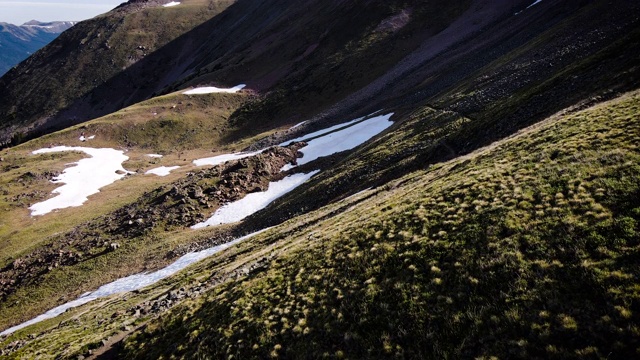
(20,11)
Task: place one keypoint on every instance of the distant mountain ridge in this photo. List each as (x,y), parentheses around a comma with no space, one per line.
(17,42)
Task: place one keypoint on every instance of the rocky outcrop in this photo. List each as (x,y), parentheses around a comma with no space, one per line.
(180,204)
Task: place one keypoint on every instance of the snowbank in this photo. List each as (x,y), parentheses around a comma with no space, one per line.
(84,179)
(535,3)
(345,139)
(297,125)
(321,132)
(133,282)
(216,160)
(251,203)
(162,170)
(213,89)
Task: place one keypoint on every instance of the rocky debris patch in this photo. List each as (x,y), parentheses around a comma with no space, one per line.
(174,297)
(28,198)
(180,204)
(29,178)
(12,347)
(192,199)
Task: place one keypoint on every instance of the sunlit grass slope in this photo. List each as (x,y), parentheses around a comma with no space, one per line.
(528,248)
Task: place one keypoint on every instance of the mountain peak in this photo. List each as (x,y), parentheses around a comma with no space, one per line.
(33,22)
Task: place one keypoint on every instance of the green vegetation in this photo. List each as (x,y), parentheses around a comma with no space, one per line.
(528,248)
(101,49)
(197,126)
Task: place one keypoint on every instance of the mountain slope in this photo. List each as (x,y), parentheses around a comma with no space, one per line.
(87,56)
(247,40)
(485,179)
(18,42)
(523,249)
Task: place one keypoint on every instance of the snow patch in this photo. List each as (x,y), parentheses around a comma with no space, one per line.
(535,3)
(89,175)
(156,156)
(133,282)
(297,125)
(217,160)
(342,140)
(213,89)
(162,170)
(173,3)
(254,202)
(321,132)
(82,138)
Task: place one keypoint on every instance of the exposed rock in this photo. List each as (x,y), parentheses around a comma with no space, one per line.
(183,203)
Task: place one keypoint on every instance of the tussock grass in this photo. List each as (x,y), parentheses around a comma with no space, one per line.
(523,249)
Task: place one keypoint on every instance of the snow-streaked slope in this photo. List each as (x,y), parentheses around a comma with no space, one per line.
(162,170)
(251,203)
(131,283)
(219,159)
(342,140)
(213,89)
(84,179)
(535,3)
(321,132)
(297,125)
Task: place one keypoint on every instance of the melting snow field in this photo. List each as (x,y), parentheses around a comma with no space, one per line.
(133,282)
(342,140)
(321,132)
(84,179)
(297,125)
(251,203)
(213,89)
(216,160)
(93,173)
(162,170)
(173,3)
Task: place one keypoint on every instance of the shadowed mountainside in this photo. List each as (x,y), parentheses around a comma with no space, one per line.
(497,216)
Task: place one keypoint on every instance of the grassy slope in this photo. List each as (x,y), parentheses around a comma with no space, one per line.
(195,128)
(90,54)
(523,249)
(516,89)
(183,132)
(527,248)
(423,137)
